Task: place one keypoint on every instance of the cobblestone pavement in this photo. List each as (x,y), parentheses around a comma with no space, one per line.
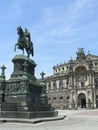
(75,120)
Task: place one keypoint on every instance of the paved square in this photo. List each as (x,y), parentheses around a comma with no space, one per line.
(75,120)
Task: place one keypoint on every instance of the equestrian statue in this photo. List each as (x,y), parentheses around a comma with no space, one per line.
(24,41)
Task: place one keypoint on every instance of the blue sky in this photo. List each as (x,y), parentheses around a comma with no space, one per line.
(57,28)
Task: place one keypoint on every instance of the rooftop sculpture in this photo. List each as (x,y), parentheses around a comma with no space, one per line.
(80,54)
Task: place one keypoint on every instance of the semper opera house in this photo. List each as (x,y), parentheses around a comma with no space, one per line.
(74,85)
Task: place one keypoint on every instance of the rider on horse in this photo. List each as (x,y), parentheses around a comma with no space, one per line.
(24,41)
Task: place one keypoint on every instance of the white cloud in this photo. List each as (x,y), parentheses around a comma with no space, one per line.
(48,16)
(79,5)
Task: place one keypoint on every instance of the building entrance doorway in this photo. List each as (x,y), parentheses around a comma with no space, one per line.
(82,100)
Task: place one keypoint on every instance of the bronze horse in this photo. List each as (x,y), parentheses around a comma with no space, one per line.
(24,41)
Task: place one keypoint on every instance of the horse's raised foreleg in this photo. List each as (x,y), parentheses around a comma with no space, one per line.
(15,47)
(23,51)
(28,55)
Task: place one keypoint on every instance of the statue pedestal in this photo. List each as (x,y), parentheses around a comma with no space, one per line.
(24,95)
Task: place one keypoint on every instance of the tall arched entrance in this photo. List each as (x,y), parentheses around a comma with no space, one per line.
(82,100)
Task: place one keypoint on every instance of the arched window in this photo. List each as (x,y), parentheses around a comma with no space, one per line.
(80,69)
(54,98)
(67,83)
(49,86)
(61,85)
(54,85)
(67,98)
(96,82)
(62,68)
(61,98)
(49,98)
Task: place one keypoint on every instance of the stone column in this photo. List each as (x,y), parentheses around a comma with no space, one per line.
(76,106)
(70,106)
(71,80)
(89,78)
(94,96)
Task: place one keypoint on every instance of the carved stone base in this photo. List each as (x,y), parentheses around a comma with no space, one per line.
(28,115)
(24,96)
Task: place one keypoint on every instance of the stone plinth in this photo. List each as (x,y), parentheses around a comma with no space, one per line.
(29,115)
(23,95)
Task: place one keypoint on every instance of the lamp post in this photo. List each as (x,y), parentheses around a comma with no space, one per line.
(3,70)
(42,74)
(3,82)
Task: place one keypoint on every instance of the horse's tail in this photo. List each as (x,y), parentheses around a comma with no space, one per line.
(32,52)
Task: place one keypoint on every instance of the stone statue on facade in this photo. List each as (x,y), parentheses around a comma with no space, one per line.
(80,52)
(24,41)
